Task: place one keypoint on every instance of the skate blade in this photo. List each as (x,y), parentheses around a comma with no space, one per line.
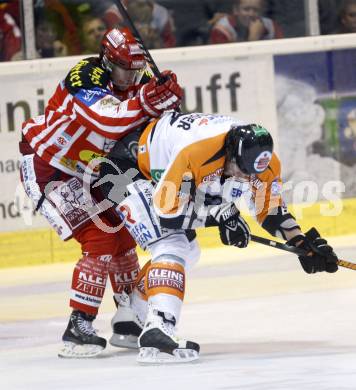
(150,355)
(72,350)
(124,341)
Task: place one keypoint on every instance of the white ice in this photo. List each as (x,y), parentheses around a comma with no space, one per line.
(262,324)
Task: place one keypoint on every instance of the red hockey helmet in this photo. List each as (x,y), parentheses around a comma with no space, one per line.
(119,47)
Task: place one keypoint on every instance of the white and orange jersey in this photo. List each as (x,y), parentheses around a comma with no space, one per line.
(80,126)
(189,148)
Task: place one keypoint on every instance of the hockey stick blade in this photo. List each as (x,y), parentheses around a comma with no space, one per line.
(297,251)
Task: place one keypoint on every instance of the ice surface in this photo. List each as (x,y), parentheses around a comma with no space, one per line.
(262,324)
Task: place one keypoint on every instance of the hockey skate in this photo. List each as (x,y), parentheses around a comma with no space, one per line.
(80,338)
(126,325)
(158,343)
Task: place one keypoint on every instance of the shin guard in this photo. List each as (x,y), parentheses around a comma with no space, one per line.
(165,287)
(123,271)
(88,283)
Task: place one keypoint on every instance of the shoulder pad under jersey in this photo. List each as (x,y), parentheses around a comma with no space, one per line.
(86,74)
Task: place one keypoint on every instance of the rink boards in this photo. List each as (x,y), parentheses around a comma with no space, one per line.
(43,246)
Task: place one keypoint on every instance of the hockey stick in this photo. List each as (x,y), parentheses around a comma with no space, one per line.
(139,40)
(297,251)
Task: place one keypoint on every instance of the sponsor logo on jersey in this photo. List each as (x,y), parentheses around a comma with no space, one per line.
(105,258)
(204,121)
(63,140)
(111,101)
(28,170)
(218,119)
(139,231)
(75,74)
(86,75)
(88,155)
(236,192)
(213,175)
(68,163)
(262,161)
(125,214)
(257,183)
(276,187)
(90,96)
(96,76)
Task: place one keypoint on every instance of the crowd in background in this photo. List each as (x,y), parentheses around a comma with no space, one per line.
(71,27)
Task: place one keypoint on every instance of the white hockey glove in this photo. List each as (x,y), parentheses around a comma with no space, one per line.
(233,229)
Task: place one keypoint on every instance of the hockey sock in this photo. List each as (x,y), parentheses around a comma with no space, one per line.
(88,283)
(165,287)
(123,271)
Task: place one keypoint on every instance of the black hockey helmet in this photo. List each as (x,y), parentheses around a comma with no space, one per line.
(250,147)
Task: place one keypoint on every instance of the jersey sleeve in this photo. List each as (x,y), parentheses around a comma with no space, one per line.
(106,114)
(267,191)
(271,211)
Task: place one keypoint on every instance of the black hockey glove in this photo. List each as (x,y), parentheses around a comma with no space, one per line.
(233,229)
(321,256)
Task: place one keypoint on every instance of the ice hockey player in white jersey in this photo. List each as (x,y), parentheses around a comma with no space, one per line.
(191,171)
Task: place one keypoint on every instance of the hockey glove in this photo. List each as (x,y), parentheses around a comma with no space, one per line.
(156,98)
(233,229)
(321,256)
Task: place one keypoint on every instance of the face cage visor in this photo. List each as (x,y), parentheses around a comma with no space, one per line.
(122,78)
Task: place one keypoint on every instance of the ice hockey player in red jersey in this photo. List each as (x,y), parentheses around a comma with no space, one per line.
(101,100)
(201,166)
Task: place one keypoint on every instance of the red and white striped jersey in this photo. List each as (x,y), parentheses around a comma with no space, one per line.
(78,127)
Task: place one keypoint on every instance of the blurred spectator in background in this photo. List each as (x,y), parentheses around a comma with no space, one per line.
(48,43)
(60,24)
(12,7)
(191,18)
(153,22)
(91,33)
(327,16)
(245,23)
(141,13)
(290,16)
(347,17)
(10,36)
(106,10)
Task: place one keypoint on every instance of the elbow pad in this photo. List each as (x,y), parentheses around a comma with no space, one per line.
(276,224)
